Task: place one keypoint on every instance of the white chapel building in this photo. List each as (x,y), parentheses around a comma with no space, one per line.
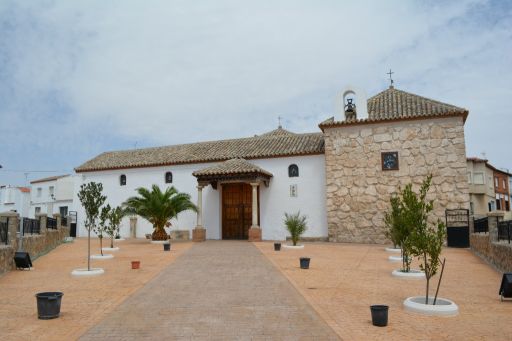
(340,176)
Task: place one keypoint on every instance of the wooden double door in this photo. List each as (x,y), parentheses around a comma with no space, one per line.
(236,210)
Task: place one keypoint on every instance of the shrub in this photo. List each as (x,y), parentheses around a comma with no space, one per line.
(296,225)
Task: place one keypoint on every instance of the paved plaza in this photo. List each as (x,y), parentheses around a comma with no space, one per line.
(218,290)
(236,290)
(345,279)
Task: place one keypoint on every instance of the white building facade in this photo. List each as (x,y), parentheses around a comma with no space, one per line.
(52,195)
(15,199)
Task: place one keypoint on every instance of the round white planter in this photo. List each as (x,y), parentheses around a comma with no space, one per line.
(110,248)
(412,274)
(443,306)
(159,241)
(395,258)
(87,273)
(106,256)
(391,249)
(291,247)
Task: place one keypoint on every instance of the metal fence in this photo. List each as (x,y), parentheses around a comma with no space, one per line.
(505,230)
(481,225)
(4,231)
(64,221)
(31,226)
(51,223)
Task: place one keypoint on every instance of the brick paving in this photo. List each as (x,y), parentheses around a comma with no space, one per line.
(345,279)
(218,290)
(86,300)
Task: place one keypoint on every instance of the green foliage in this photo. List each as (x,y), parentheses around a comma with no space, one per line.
(296,225)
(426,240)
(159,207)
(91,199)
(103,221)
(115,217)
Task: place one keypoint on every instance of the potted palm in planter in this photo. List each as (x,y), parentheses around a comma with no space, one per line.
(159,208)
(296,226)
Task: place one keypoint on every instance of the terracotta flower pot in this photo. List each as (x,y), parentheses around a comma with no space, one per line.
(135,264)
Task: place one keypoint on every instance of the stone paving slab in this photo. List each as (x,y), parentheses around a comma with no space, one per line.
(218,290)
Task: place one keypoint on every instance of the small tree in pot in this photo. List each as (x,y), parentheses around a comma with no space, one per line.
(426,240)
(115,217)
(102,225)
(91,198)
(399,228)
(296,225)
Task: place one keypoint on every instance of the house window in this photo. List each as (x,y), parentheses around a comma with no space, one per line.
(504,184)
(63,210)
(472,208)
(498,204)
(168,178)
(38,210)
(39,192)
(293,171)
(469,177)
(496,182)
(507,203)
(122,180)
(51,190)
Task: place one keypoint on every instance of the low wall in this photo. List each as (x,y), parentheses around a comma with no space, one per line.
(35,244)
(486,246)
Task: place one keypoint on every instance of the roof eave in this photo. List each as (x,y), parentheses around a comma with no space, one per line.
(335,124)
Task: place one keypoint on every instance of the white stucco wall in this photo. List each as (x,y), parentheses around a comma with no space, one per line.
(274,200)
(63,190)
(13,199)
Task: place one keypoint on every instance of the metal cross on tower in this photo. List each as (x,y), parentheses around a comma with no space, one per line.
(390,73)
(279,120)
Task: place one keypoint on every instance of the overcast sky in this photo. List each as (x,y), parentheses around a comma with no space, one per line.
(78,78)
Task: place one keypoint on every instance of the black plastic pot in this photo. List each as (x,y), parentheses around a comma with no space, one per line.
(304,262)
(277,246)
(167,247)
(48,305)
(379,315)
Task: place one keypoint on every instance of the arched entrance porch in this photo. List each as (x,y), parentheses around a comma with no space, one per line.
(240,181)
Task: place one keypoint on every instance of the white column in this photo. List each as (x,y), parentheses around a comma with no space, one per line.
(255,204)
(199,206)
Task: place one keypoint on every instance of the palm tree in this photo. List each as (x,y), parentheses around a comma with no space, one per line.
(159,207)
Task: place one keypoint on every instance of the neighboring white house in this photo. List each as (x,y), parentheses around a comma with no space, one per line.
(341,177)
(52,195)
(15,199)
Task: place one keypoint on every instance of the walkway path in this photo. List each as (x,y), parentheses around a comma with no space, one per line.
(217,290)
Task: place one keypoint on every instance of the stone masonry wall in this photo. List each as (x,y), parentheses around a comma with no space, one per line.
(35,244)
(486,246)
(358,190)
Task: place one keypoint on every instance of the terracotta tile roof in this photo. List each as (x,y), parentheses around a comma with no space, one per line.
(51,178)
(24,189)
(233,166)
(277,143)
(393,104)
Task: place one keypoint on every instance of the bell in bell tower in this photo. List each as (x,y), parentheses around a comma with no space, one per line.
(350,110)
